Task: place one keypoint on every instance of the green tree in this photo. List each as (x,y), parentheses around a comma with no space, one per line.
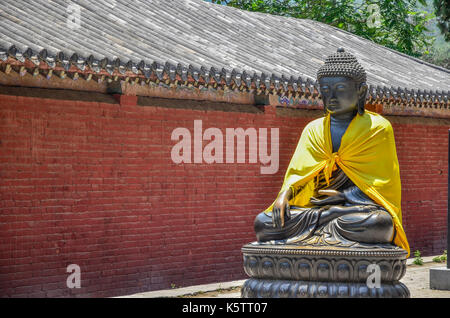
(442,12)
(396,24)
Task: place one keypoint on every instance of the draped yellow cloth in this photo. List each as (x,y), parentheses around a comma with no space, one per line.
(367,155)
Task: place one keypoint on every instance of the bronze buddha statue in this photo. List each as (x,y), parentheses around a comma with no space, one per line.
(337,194)
(338,213)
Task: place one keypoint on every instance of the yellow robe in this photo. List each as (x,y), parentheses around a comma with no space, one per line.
(367,155)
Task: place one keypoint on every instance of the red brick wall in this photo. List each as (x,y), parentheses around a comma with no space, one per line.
(93,184)
(423,157)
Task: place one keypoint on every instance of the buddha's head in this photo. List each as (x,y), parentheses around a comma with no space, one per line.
(342,82)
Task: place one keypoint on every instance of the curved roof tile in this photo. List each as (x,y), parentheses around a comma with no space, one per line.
(142,36)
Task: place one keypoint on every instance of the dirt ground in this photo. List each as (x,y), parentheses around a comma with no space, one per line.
(417,279)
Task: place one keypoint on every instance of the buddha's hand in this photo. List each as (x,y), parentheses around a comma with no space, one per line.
(334,197)
(281,211)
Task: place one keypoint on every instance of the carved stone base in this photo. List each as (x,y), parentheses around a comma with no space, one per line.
(263,288)
(306,271)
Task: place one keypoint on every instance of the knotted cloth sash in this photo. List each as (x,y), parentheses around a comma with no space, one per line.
(367,155)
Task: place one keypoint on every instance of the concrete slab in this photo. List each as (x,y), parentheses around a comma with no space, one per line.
(440,278)
(186,291)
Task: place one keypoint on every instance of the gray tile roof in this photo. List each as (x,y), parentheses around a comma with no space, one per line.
(147,35)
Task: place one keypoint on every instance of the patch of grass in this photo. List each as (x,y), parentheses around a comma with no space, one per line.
(417,258)
(442,258)
(213,293)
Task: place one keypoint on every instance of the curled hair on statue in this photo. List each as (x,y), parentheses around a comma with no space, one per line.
(345,64)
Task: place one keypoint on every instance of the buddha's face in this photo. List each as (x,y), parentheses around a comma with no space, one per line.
(340,95)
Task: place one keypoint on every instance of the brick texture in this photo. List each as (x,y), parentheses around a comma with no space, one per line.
(93,184)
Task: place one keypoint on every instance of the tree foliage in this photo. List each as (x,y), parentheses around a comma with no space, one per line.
(442,11)
(392,23)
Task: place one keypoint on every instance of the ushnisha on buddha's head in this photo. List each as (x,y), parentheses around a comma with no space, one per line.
(343,87)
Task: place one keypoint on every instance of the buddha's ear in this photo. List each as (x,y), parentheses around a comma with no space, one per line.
(362,94)
(325,111)
(362,91)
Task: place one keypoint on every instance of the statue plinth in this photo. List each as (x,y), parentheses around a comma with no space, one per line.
(292,271)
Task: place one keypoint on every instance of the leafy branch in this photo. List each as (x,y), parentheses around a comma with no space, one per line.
(399,25)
